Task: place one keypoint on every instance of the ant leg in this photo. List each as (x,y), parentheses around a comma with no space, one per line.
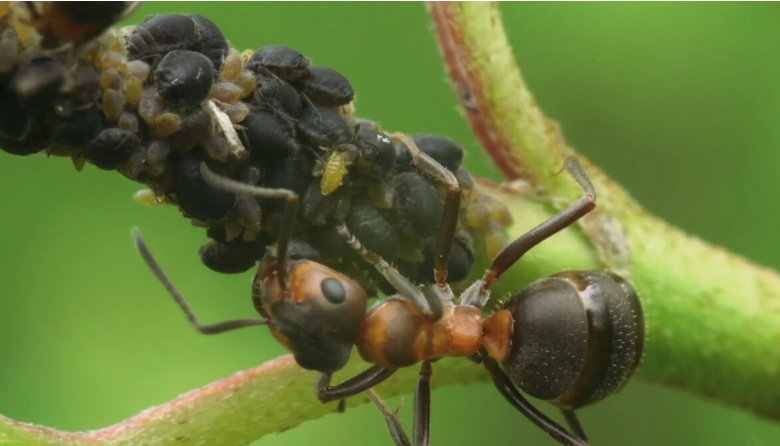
(574,424)
(510,392)
(351,387)
(288,217)
(205,329)
(422,406)
(428,303)
(449,221)
(512,253)
(397,432)
(422,411)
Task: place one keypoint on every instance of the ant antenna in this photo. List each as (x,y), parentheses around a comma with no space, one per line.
(163,278)
(288,216)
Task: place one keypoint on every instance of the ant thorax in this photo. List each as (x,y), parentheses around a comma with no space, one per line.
(395,333)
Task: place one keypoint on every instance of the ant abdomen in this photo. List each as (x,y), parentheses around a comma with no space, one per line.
(572,338)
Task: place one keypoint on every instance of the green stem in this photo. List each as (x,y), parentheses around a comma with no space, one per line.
(713,318)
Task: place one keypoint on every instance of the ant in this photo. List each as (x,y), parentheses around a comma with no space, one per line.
(572,338)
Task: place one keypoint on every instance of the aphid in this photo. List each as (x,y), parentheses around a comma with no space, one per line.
(78,129)
(327,87)
(283,61)
(112,148)
(376,152)
(194,195)
(160,34)
(229,257)
(277,95)
(184,78)
(372,228)
(62,23)
(334,171)
(267,136)
(441,149)
(323,127)
(37,83)
(418,205)
(192,130)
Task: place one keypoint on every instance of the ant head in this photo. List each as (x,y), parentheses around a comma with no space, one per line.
(573,338)
(317,315)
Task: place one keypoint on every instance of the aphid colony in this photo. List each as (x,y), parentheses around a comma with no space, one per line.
(156,100)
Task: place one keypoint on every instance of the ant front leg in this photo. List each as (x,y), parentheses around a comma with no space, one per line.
(428,303)
(449,223)
(217,328)
(351,387)
(422,412)
(512,253)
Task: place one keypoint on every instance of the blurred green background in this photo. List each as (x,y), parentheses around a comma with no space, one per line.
(679,102)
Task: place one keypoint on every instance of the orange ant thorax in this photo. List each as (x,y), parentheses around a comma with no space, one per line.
(396,334)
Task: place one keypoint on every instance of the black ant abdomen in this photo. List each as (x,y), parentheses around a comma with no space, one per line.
(586,346)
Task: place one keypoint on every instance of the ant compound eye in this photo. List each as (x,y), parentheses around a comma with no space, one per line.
(333,290)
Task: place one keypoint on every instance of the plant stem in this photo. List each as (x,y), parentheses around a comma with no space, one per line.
(713,318)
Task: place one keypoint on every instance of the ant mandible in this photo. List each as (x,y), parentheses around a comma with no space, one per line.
(589,323)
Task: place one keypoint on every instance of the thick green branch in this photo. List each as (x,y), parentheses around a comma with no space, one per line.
(713,318)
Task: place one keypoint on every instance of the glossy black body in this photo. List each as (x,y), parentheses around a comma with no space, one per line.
(267,135)
(578,337)
(111,148)
(194,195)
(159,34)
(327,87)
(184,77)
(283,61)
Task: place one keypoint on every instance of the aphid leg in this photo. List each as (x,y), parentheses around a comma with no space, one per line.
(422,406)
(515,250)
(397,432)
(510,392)
(574,424)
(428,303)
(352,386)
(203,328)
(288,215)
(449,223)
